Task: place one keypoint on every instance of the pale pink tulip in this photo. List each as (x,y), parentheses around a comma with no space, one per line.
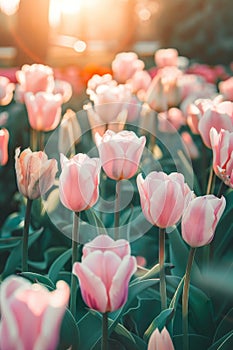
(44,110)
(166,57)
(31,316)
(120,153)
(104,279)
(125,65)
(70,132)
(103,242)
(6,91)
(109,101)
(218,117)
(97,80)
(35,172)
(226,88)
(140,82)
(79,182)
(171,120)
(222,146)
(4,139)
(164,92)
(160,341)
(200,219)
(163,197)
(34,78)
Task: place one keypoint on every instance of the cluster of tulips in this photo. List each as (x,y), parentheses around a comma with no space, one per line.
(31,315)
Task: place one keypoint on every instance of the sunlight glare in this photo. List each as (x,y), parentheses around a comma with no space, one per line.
(9,7)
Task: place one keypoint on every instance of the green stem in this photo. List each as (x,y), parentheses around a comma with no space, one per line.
(211,181)
(75,240)
(185,298)
(33,139)
(104,342)
(41,140)
(117,210)
(25,235)
(163,293)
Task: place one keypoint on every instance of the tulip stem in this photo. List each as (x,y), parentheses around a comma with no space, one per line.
(75,242)
(25,235)
(33,139)
(211,181)
(104,343)
(117,210)
(163,293)
(41,140)
(185,298)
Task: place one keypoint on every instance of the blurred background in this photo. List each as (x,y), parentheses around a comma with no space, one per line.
(63,32)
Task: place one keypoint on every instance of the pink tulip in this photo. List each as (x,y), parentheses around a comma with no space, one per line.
(200,219)
(35,172)
(79,182)
(109,101)
(44,110)
(139,82)
(120,153)
(164,91)
(166,57)
(103,243)
(6,91)
(222,146)
(34,78)
(104,279)
(125,65)
(31,316)
(163,197)
(97,80)
(226,88)
(171,120)
(218,117)
(160,341)
(4,139)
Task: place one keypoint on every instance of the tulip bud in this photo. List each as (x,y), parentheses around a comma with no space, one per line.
(160,341)
(4,139)
(6,91)
(125,65)
(79,182)
(163,197)
(31,316)
(200,219)
(166,57)
(120,153)
(35,172)
(69,132)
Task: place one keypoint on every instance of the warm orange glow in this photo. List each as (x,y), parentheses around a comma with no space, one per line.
(59,7)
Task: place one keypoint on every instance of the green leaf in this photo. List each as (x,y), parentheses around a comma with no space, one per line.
(224,343)
(58,264)
(14,221)
(37,278)
(15,255)
(159,322)
(95,221)
(195,342)
(49,256)
(6,244)
(225,326)
(69,334)
(90,330)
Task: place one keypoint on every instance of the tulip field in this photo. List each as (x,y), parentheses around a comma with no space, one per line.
(116,206)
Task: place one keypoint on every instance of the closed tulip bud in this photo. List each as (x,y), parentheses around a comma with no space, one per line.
(163,197)
(6,91)
(103,242)
(226,88)
(104,279)
(4,139)
(200,219)
(79,182)
(35,173)
(97,80)
(125,65)
(120,153)
(166,57)
(31,316)
(63,88)
(160,341)
(222,146)
(69,132)
(34,78)
(44,110)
